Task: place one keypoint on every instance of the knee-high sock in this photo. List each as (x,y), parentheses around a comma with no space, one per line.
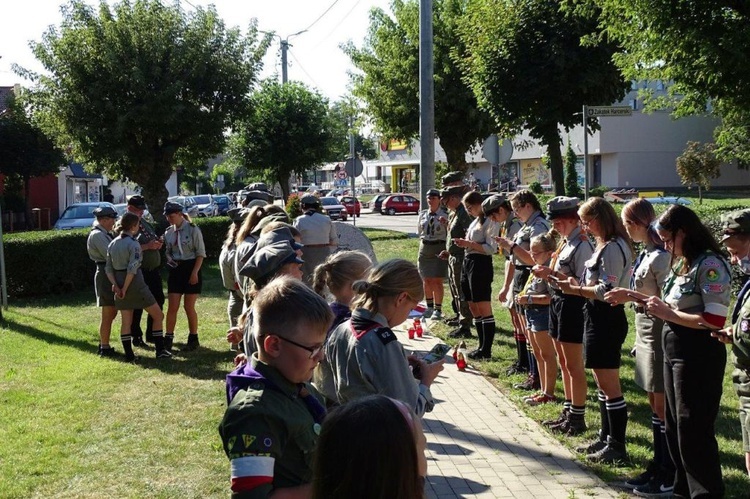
(617,411)
(489,334)
(478,323)
(604,432)
(127,344)
(533,366)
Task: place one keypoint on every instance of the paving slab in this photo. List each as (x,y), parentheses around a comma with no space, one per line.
(479,444)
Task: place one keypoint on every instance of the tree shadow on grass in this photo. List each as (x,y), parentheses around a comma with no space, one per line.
(204,363)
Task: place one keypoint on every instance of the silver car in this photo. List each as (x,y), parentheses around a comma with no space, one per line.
(79,215)
(188,203)
(207,207)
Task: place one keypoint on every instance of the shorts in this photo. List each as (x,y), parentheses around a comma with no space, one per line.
(520,276)
(605,329)
(566,318)
(476,278)
(138,295)
(649,356)
(537,318)
(430,266)
(179,279)
(105,297)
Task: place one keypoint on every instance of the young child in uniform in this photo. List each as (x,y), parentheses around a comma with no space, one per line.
(123,270)
(271,426)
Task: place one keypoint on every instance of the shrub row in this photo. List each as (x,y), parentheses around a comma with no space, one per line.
(54,262)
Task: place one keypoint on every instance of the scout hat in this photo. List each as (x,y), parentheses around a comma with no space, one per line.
(492,203)
(137,202)
(433,193)
(238,215)
(735,222)
(309,200)
(279,234)
(273,217)
(452,177)
(170,207)
(267,261)
(561,205)
(105,212)
(455,190)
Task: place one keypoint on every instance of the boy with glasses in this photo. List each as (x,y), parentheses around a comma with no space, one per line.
(271,426)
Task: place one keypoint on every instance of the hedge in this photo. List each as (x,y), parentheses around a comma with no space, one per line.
(55,261)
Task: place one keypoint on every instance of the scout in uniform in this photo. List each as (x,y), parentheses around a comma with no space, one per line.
(736,238)
(226,265)
(96,244)
(605,325)
(477,273)
(131,292)
(271,426)
(457,223)
(364,354)
(696,298)
(566,311)
(318,235)
(432,236)
(150,268)
(647,278)
(526,206)
(185,252)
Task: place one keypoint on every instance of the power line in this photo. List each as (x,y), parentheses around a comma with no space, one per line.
(303,69)
(330,32)
(321,16)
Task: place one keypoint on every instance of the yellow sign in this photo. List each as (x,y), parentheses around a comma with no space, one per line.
(397,145)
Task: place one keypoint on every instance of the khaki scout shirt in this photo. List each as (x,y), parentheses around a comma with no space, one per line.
(458,223)
(316,229)
(184,242)
(534,226)
(484,234)
(650,270)
(609,267)
(146,234)
(428,226)
(572,257)
(269,429)
(705,287)
(741,341)
(97,243)
(124,253)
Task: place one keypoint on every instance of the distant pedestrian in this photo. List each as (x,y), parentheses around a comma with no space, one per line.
(318,235)
(185,252)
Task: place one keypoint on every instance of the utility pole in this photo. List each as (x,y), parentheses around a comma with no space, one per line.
(426,103)
(284,48)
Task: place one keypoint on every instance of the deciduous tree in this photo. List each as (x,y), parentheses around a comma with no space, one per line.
(388,78)
(528,68)
(698,165)
(135,88)
(287,132)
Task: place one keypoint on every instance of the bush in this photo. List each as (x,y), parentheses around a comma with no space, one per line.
(214,231)
(293,208)
(536,188)
(598,191)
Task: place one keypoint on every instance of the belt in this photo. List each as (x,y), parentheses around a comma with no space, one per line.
(639,309)
(121,270)
(524,267)
(101,263)
(317,245)
(432,242)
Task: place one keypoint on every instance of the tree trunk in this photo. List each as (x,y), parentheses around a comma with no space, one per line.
(284,184)
(29,222)
(456,159)
(152,179)
(551,139)
(700,194)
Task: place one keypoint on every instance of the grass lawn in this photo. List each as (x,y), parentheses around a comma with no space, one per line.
(75,425)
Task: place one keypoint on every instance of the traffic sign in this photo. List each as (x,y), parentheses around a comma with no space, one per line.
(354,167)
(596,111)
(341,175)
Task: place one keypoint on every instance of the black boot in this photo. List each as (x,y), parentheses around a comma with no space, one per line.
(161,350)
(127,346)
(614,452)
(168,342)
(192,343)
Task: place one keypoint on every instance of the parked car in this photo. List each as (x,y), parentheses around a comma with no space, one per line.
(333,208)
(122,207)
(223,202)
(79,215)
(399,203)
(352,205)
(207,207)
(188,203)
(377,202)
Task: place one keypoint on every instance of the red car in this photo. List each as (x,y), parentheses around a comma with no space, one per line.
(399,203)
(351,204)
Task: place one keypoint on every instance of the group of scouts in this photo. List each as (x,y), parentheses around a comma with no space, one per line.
(567,289)
(127,254)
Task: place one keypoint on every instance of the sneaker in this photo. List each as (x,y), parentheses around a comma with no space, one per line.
(138,341)
(556,422)
(656,487)
(612,453)
(532,396)
(478,355)
(515,368)
(451,321)
(570,427)
(164,354)
(130,357)
(530,384)
(428,313)
(591,447)
(460,333)
(541,399)
(437,315)
(643,478)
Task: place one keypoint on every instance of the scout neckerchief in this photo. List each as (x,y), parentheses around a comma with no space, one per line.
(556,254)
(177,236)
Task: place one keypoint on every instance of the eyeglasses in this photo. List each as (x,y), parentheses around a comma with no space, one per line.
(313,350)
(586,223)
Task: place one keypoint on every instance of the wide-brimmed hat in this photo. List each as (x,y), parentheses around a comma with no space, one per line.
(455,190)
(137,201)
(452,177)
(237,215)
(309,200)
(493,203)
(267,261)
(433,193)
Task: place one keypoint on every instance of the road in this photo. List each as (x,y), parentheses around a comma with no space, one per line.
(404,222)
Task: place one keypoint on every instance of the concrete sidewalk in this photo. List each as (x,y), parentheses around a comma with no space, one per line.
(480,445)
